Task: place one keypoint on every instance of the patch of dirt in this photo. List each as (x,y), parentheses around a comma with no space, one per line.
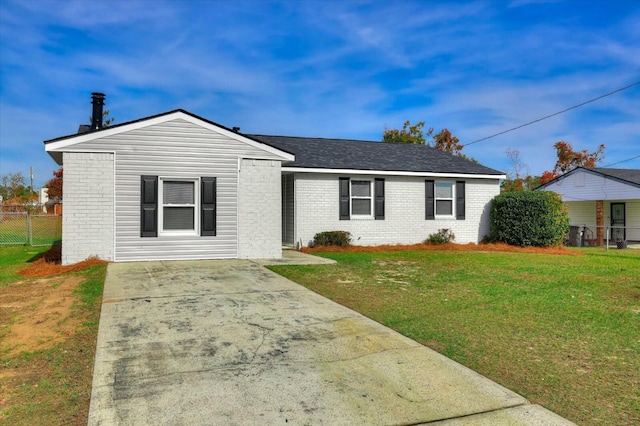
(493,247)
(36,314)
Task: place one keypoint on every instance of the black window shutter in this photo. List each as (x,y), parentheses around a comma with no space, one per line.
(149,206)
(344,199)
(460,200)
(429,200)
(208,206)
(379,202)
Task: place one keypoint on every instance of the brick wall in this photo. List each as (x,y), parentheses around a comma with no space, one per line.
(259,210)
(317,198)
(88,222)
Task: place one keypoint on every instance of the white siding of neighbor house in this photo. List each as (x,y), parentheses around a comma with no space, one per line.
(633,219)
(317,210)
(87,222)
(584,185)
(583,213)
(259,210)
(172,149)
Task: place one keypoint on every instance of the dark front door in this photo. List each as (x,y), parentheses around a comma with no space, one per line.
(618,221)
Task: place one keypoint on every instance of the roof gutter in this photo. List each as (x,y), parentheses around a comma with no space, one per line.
(392,173)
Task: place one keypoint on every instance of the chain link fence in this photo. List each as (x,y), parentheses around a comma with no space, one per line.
(30,227)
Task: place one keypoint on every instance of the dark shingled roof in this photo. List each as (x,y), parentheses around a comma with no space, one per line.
(318,153)
(627,175)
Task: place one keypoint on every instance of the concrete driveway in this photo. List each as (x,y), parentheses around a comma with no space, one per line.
(231,343)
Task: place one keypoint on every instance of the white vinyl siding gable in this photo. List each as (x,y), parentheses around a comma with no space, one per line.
(175,149)
(584,185)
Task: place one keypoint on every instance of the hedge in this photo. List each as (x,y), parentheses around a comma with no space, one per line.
(528,218)
(332,238)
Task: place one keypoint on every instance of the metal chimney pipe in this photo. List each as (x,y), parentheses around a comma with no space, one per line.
(97,99)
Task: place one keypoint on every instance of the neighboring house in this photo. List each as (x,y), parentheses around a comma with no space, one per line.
(601,199)
(177,186)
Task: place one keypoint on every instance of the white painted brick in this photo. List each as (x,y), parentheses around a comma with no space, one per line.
(87,221)
(317,204)
(259,205)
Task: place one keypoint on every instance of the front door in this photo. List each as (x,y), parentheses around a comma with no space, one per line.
(618,221)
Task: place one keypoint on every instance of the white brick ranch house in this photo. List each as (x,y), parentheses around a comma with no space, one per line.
(177,186)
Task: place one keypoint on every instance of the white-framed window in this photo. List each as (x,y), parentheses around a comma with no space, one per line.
(178,202)
(361,199)
(444,199)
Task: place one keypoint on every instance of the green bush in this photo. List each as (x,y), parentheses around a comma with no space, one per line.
(443,236)
(332,238)
(528,218)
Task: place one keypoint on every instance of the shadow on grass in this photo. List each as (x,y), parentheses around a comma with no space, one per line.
(53,255)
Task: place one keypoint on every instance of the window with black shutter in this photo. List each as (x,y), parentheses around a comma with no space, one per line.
(344,199)
(177,206)
(379,199)
(149,206)
(460,197)
(208,206)
(430,200)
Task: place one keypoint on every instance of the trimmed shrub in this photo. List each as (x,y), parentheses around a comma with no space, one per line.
(443,236)
(528,218)
(332,238)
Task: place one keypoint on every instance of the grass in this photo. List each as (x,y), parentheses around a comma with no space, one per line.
(13,258)
(563,331)
(55,383)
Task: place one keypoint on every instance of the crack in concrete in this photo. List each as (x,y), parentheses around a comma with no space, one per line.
(495,410)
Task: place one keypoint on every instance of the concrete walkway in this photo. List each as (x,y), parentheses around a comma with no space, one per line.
(231,343)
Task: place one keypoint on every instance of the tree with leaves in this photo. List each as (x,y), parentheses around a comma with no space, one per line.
(408,134)
(442,141)
(54,185)
(569,159)
(14,186)
(446,142)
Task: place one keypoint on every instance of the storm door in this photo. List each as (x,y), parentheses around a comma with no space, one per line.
(618,222)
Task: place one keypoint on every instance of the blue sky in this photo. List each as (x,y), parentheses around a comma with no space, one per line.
(327,69)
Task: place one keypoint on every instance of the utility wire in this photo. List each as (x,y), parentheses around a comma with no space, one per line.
(623,161)
(554,114)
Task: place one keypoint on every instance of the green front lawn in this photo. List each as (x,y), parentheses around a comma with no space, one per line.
(563,331)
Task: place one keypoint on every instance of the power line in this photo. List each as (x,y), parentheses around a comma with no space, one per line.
(623,161)
(554,114)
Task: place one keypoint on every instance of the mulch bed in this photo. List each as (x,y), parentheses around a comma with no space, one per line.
(489,247)
(50,263)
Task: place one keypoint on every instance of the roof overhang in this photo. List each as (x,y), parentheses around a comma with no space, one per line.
(559,179)
(391,173)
